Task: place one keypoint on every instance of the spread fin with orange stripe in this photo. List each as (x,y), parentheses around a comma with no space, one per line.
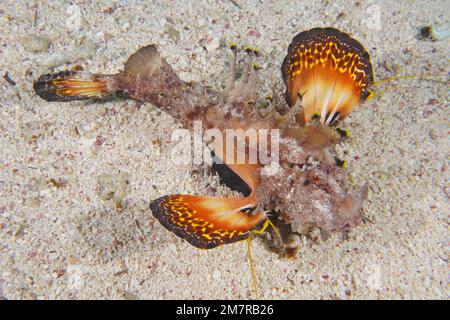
(327,72)
(207,222)
(72,85)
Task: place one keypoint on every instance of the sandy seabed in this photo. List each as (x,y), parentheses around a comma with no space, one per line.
(76,179)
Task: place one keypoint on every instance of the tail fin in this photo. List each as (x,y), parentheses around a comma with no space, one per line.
(71,85)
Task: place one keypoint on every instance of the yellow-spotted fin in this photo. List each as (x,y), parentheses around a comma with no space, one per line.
(328,71)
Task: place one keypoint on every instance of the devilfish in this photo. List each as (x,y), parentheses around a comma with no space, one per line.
(327,74)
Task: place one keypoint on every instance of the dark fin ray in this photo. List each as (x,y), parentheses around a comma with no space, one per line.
(229,178)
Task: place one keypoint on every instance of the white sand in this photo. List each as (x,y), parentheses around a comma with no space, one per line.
(70,242)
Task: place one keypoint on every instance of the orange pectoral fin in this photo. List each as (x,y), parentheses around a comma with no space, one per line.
(248,173)
(207,222)
(329,72)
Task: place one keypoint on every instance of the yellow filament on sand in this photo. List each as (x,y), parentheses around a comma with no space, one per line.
(250,259)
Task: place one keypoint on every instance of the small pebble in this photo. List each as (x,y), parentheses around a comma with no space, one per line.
(35,43)
(74,18)
(212,44)
(84,51)
(216,275)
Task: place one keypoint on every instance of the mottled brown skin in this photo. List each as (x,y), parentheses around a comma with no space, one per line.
(316,191)
(309,191)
